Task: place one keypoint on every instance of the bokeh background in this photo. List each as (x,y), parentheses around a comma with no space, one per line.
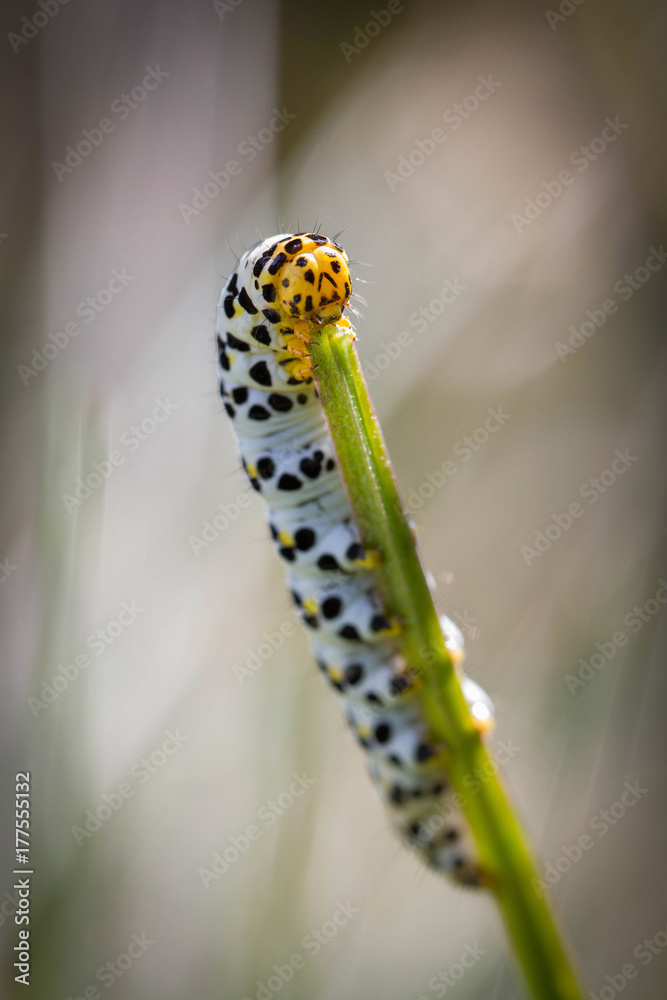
(172,532)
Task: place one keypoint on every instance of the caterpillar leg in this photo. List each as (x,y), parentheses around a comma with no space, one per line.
(302,370)
(303,330)
(480,705)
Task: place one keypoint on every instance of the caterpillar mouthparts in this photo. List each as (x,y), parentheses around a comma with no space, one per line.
(281,290)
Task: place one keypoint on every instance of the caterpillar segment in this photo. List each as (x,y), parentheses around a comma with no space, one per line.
(282,290)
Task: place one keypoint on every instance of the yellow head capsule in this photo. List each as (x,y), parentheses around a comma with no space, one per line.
(315,281)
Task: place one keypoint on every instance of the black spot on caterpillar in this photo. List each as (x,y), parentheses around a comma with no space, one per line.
(288,456)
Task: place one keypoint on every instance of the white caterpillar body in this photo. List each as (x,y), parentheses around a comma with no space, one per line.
(281,289)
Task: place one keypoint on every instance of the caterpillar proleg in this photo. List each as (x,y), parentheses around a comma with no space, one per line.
(281,291)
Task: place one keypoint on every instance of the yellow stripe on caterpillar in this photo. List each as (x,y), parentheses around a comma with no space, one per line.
(371,559)
(395,627)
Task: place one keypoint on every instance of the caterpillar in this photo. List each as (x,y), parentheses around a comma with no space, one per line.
(280,292)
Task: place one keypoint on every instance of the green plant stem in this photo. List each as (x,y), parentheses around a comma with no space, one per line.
(504,851)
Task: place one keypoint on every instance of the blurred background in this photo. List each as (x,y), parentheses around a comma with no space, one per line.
(498,169)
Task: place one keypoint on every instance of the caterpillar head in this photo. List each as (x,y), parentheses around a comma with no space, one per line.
(314,283)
